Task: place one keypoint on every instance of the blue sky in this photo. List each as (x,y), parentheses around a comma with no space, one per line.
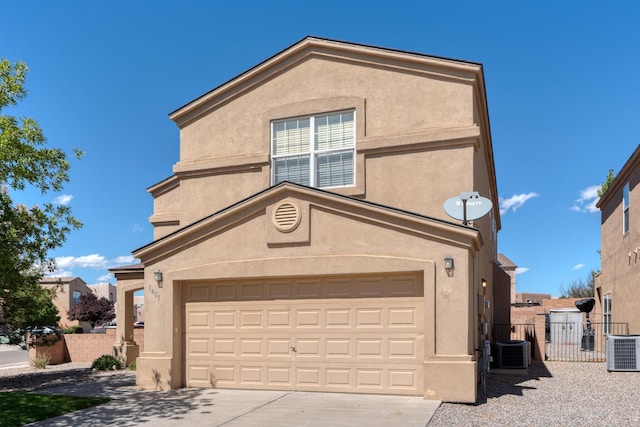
(561,80)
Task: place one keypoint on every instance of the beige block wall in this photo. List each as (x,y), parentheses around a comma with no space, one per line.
(88,347)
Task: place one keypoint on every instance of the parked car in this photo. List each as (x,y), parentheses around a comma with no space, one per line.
(138,325)
(43,330)
(110,325)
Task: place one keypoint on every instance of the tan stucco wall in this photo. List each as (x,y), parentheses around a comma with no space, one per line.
(433,126)
(358,241)
(421,137)
(620,253)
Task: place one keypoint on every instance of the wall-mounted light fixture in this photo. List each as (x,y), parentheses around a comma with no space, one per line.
(448,264)
(484,283)
(157,276)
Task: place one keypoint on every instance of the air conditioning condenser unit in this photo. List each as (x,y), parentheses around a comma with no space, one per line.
(623,352)
(513,354)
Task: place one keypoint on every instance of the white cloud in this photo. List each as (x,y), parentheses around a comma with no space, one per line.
(66,265)
(521,270)
(137,228)
(105,278)
(587,200)
(59,273)
(125,259)
(94,261)
(578,266)
(63,199)
(515,201)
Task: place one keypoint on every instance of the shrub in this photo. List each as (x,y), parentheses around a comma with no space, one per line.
(73,330)
(132,366)
(106,362)
(41,361)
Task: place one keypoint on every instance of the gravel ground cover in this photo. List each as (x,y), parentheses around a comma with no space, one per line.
(551,394)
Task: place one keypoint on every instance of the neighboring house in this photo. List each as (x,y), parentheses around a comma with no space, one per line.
(301,242)
(105,290)
(531,298)
(617,296)
(68,293)
(510,268)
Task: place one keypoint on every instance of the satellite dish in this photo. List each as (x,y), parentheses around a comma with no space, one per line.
(467,207)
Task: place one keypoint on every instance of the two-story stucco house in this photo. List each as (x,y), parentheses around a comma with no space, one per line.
(68,291)
(301,241)
(617,296)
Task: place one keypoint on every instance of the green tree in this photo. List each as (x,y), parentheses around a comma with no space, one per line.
(605,185)
(580,288)
(27,234)
(35,308)
(92,309)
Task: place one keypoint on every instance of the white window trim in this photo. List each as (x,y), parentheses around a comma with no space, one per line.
(625,208)
(606,314)
(313,152)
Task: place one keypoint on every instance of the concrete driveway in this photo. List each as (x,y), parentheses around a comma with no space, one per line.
(216,407)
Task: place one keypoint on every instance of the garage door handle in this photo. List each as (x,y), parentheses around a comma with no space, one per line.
(293,349)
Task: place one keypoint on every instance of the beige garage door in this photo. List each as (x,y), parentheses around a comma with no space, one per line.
(349,334)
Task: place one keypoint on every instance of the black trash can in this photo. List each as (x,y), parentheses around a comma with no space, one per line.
(588,340)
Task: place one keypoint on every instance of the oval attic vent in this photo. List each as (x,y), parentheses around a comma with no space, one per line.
(286,216)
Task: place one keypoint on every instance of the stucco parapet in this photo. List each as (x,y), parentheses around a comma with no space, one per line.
(172,218)
(163,186)
(223,164)
(427,139)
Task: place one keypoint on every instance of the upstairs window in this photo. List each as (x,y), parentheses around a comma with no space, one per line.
(625,209)
(75,297)
(317,151)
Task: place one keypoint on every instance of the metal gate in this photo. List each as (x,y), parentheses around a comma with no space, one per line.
(571,342)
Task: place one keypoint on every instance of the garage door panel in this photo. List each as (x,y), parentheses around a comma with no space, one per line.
(402,317)
(198,293)
(279,290)
(251,291)
(279,318)
(279,347)
(373,378)
(251,375)
(307,289)
(251,347)
(199,347)
(332,334)
(224,319)
(225,292)
(338,348)
(279,376)
(308,348)
(338,318)
(403,379)
(369,317)
(251,318)
(224,347)
(338,288)
(308,318)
